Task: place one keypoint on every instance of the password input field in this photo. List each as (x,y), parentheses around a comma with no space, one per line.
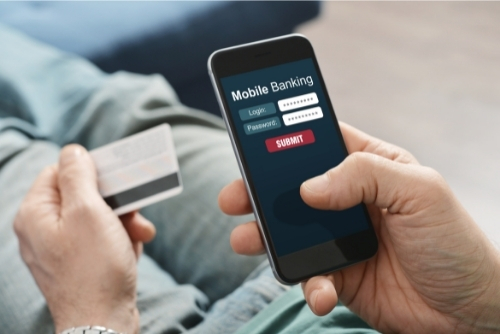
(302,116)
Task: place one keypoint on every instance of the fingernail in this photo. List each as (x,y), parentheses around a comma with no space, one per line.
(314,297)
(77,151)
(317,184)
(71,152)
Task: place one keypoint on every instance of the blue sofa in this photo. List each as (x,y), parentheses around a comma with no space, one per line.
(171,38)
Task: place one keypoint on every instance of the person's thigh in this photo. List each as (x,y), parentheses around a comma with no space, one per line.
(22,306)
(164,305)
(230,313)
(192,241)
(61,97)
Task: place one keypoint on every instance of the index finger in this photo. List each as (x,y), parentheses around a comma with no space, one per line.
(358,141)
(234,200)
(43,197)
(45,186)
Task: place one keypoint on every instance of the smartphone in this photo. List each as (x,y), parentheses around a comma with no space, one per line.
(284,131)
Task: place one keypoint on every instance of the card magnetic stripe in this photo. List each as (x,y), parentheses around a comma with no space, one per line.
(143,191)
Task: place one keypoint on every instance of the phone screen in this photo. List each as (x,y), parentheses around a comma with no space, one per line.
(287,134)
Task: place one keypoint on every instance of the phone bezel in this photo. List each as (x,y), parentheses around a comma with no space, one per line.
(303,264)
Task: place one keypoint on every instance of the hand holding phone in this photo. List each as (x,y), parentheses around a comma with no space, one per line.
(435,271)
(284,131)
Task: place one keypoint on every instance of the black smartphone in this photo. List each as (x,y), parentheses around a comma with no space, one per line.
(284,131)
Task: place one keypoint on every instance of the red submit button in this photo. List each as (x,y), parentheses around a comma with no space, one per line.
(290,140)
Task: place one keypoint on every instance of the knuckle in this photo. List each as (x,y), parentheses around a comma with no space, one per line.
(18,226)
(25,254)
(434,180)
(354,158)
(68,175)
(354,165)
(47,171)
(404,156)
(433,176)
(393,152)
(360,160)
(22,217)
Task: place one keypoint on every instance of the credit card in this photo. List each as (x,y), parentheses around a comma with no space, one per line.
(138,170)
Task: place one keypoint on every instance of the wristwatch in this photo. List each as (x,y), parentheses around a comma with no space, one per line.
(89,330)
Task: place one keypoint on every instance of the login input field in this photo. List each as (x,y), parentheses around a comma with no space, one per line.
(298,102)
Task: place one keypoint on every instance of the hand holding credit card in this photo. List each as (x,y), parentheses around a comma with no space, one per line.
(138,170)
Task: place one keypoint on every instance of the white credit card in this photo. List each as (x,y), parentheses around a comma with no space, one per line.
(138,170)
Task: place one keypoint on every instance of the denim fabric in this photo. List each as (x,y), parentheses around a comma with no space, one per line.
(290,314)
(48,99)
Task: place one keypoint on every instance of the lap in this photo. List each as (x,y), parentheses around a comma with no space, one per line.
(192,240)
(163,303)
(192,247)
(22,306)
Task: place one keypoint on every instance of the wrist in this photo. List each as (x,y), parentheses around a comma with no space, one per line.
(123,320)
(89,330)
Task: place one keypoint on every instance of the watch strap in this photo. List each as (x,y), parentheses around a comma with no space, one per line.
(89,330)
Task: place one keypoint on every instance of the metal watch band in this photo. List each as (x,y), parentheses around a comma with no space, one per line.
(89,330)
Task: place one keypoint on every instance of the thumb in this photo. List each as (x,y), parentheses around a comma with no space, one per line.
(369,178)
(77,174)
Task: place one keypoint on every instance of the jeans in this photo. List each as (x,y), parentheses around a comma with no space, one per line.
(189,280)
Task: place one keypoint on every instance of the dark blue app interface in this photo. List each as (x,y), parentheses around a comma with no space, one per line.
(287,135)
